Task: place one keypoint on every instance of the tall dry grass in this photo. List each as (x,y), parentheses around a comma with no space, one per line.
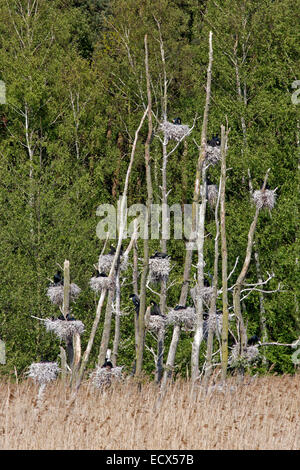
(259,414)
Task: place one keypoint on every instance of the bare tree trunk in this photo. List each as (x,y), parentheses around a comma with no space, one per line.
(116,257)
(241,278)
(201,171)
(141,321)
(106,328)
(225,325)
(212,307)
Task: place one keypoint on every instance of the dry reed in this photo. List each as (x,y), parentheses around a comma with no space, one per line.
(261,413)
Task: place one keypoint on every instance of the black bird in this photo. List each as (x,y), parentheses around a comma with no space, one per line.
(253,340)
(136,303)
(205,316)
(112,250)
(206,283)
(179,307)
(58,279)
(215,141)
(107,364)
(69,318)
(98,274)
(177,120)
(157,254)
(155,310)
(61,317)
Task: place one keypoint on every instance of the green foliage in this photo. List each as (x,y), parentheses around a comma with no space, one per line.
(75,79)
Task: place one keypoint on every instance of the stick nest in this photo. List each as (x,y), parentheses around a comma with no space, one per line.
(99,283)
(213,154)
(204,292)
(249,356)
(56,293)
(185,317)
(159,269)
(174,131)
(64,329)
(105,262)
(43,372)
(102,377)
(156,323)
(264,199)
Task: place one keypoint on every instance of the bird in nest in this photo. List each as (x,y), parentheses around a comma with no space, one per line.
(159,255)
(155,310)
(215,141)
(177,121)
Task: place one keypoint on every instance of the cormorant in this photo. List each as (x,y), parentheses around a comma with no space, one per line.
(157,254)
(112,250)
(136,303)
(69,318)
(58,279)
(98,274)
(107,364)
(253,340)
(179,307)
(177,120)
(215,141)
(155,310)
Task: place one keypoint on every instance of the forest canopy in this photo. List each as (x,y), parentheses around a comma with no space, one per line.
(76,91)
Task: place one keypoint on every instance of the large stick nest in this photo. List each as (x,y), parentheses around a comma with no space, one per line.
(43,372)
(185,317)
(102,377)
(159,269)
(105,262)
(250,355)
(174,131)
(99,283)
(56,293)
(64,329)
(264,199)
(156,323)
(205,293)
(213,154)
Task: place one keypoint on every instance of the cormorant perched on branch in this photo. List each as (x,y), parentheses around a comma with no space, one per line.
(155,310)
(177,120)
(136,303)
(157,254)
(215,141)
(58,279)
(253,340)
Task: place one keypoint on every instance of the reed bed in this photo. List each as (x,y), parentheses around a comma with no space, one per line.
(260,413)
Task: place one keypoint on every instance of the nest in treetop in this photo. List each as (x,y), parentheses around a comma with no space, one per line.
(159,269)
(156,323)
(105,262)
(213,154)
(43,372)
(205,293)
(264,199)
(185,317)
(99,283)
(56,293)
(64,329)
(174,131)
(250,355)
(102,377)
